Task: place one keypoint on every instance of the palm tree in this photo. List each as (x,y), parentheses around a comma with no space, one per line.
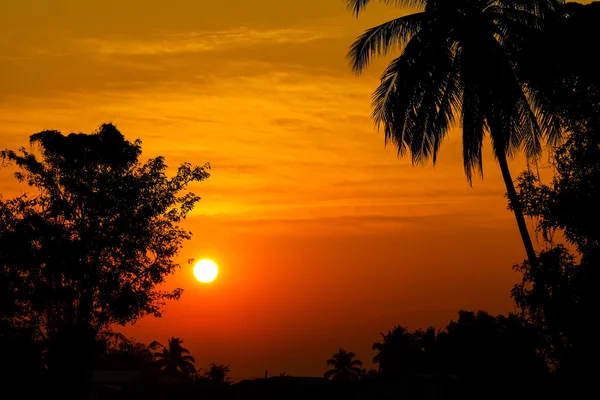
(435,351)
(398,354)
(343,366)
(461,60)
(174,359)
(429,339)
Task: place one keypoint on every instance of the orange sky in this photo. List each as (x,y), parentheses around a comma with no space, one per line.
(323,236)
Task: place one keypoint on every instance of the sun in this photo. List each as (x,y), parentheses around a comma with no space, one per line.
(206,271)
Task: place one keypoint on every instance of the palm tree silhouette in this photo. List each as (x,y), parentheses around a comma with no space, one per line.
(435,351)
(344,366)
(429,339)
(174,359)
(461,60)
(398,354)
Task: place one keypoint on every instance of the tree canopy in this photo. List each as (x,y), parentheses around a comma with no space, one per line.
(90,241)
(98,232)
(344,366)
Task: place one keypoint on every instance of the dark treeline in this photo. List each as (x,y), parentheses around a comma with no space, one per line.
(87,246)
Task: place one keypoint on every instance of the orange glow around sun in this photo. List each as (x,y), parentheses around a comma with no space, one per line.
(206,271)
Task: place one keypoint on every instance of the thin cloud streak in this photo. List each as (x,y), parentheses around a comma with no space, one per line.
(198,42)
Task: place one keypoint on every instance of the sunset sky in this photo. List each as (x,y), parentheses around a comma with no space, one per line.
(323,236)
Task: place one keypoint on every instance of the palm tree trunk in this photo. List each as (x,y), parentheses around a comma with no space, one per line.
(518,211)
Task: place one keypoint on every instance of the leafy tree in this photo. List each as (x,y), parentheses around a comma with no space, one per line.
(218,373)
(554,300)
(91,242)
(559,297)
(344,366)
(569,203)
(174,359)
(461,61)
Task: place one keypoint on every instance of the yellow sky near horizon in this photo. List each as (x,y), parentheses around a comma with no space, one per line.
(323,236)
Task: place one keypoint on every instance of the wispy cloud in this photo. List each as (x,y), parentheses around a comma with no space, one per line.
(197,42)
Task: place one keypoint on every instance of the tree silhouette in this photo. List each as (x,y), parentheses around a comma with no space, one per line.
(118,352)
(563,63)
(560,296)
(429,338)
(488,349)
(174,359)
(217,373)
(90,245)
(477,347)
(460,61)
(434,350)
(568,204)
(398,354)
(343,366)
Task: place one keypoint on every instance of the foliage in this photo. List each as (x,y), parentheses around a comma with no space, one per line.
(98,234)
(217,373)
(174,359)
(118,352)
(559,297)
(478,345)
(344,366)
(91,242)
(459,62)
(565,65)
(462,61)
(486,347)
(554,300)
(397,353)
(569,203)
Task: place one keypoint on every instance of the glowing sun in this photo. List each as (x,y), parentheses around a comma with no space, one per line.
(206,271)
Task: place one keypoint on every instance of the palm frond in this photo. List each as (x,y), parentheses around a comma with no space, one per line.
(162,363)
(417,96)
(545,9)
(155,345)
(162,354)
(473,123)
(357,6)
(394,97)
(330,373)
(432,112)
(467,59)
(185,366)
(187,359)
(380,40)
(517,124)
(356,371)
